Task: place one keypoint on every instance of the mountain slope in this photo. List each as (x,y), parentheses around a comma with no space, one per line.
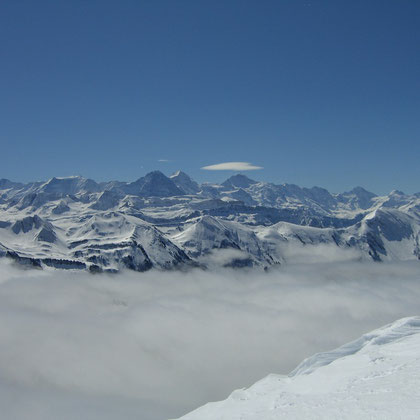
(101,241)
(154,184)
(209,233)
(374,377)
(185,183)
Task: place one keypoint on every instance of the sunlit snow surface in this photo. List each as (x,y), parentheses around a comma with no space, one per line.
(374,377)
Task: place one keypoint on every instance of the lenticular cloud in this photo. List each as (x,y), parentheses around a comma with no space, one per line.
(232,166)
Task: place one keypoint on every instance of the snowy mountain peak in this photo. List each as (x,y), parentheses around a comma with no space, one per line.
(178,173)
(184,182)
(361,191)
(155,174)
(358,197)
(396,193)
(154,184)
(106,201)
(239,181)
(69,185)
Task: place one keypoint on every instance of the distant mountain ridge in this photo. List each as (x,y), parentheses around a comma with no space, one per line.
(166,222)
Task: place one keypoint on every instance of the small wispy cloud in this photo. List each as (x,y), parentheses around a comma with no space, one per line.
(232,166)
(163,160)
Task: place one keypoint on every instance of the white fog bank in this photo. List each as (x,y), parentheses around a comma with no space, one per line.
(156,345)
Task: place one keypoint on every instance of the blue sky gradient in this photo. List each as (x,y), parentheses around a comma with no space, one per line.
(317,92)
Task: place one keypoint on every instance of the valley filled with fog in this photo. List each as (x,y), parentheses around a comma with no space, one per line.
(209,210)
(158,344)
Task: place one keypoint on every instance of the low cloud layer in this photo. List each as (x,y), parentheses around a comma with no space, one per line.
(232,166)
(156,345)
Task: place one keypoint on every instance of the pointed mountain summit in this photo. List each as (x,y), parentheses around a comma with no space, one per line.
(184,182)
(360,197)
(239,181)
(154,184)
(361,191)
(69,185)
(106,201)
(320,195)
(396,193)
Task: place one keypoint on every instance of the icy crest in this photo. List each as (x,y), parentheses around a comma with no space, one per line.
(374,377)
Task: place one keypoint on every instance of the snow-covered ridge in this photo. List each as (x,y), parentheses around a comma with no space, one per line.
(374,377)
(390,333)
(175,222)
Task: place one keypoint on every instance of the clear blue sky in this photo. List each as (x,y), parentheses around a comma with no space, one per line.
(317,92)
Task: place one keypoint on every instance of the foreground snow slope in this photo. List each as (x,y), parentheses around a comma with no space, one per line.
(374,377)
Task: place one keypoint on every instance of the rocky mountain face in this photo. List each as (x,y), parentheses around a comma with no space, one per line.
(167,222)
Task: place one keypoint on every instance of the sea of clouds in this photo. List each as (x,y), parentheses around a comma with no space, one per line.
(156,345)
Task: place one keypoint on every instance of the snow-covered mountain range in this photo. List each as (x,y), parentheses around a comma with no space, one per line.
(374,377)
(166,222)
